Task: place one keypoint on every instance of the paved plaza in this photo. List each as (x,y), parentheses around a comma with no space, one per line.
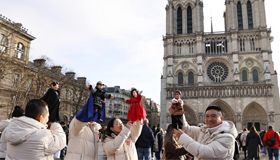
(102,155)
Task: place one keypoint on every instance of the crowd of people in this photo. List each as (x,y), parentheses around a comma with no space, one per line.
(252,143)
(30,134)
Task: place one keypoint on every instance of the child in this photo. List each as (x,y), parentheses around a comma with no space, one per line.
(176,110)
(136,110)
(98,99)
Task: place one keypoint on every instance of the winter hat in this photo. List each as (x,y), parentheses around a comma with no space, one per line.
(99,82)
(179,92)
(18,111)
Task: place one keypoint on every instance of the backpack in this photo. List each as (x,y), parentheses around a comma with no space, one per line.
(271,141)
(156,149)
(245,137)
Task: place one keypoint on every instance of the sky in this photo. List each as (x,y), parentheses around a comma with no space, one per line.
(116,41)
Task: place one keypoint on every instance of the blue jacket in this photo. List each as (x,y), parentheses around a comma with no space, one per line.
(146,139)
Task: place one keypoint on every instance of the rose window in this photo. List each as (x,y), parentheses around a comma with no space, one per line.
(217,71)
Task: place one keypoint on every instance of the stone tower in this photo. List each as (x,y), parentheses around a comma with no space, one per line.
(231,69)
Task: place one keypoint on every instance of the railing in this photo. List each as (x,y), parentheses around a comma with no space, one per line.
(16,25)
(222,91)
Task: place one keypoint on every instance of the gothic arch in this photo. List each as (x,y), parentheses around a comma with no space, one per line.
(254,112)
(66,119)
(191,4)
(256,63)
(224,60)
(178,71)
(247,74)
(191,115)
(255,68)
(191,66)
(179,5)
(227,111)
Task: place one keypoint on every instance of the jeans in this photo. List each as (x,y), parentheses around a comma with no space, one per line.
(264,150)
(275,152)
(158,155)
(144,152)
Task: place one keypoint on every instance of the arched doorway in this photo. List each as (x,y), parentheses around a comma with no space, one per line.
(190,115)
(66,120)
(227,111)
(254,115)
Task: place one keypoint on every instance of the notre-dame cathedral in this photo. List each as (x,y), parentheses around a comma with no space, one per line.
(231,69)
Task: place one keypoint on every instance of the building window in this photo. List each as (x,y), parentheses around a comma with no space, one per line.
(244,75)
(217,71)
(250,15)
(66,94)
(252,44)
(255,75)
(19,51)
(242,45)
(3,43)
(16,80)
(179,21)
(189,20)
(179,49)
(190,78)
(216,45)
(190,45)
(180,79)
(239,16)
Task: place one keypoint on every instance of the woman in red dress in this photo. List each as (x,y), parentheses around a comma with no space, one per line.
(136,110)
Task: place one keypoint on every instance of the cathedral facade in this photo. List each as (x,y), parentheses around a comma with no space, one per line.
(232,69)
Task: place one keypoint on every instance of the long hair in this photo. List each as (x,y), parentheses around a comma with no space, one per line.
(108,131)
(253,132)
(169,137)
(131,92)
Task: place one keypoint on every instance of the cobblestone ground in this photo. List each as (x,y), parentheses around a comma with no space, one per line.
(102,155)
(262,156)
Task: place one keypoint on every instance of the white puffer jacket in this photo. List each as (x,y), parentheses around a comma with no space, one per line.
(3,145)
(29,139)
(83,140)
(209,143)
(122,147)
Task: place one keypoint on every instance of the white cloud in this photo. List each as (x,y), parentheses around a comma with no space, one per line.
(116,41)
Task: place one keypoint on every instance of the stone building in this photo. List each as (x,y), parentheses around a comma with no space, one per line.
(232,69)
(22,80)
(118,107)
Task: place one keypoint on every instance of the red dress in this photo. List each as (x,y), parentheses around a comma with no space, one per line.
(136,110)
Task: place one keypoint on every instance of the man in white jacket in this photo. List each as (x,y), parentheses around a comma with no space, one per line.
(214,140)
(28,138)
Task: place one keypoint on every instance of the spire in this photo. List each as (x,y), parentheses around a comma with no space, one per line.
(211,26)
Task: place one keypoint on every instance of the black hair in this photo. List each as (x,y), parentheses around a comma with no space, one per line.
(131,92)
(110,124)
(215,108)
(270,127)
(54,83)
(35,107)
(178,91)
(253,132)
(62,123)
(18,112)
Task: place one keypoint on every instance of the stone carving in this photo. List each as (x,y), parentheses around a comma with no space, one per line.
(217,71)
(185,66)
(175,61)
(194,60)
(249,63)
